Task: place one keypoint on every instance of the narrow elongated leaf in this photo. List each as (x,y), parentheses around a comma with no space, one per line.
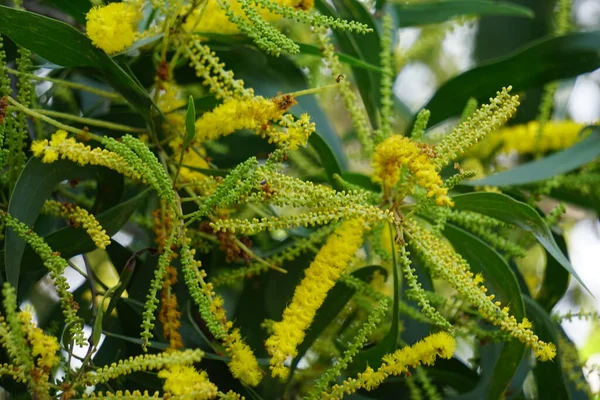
(501,281)
(556,279)
(63,45)
(556,164)
(433,12)
(363,47)
(550,382)
(373,356)
(328,158)
(34,186)
(509,210)
(190,122)
(543,61)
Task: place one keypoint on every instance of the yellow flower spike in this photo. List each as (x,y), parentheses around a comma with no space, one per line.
(112,28)
(44,347)
(398,151)
(243,364)
(424,352)
(524,139)
(256,114)
(77,216)
(69,149)
(310,294)
(183,380)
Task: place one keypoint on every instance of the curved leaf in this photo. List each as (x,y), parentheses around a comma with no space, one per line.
(556,280)
(433,12)
(556,164)
(34,186)
(75,8)
(549,378)
(509,210)
(363,47)
(328,158)
(501,281)
(64,45)
(541,62)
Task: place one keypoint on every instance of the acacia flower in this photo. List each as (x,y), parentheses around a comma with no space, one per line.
(527,138)
(255,113)
(68,148)
(423,352)
(77,216)
(44,347)
(112,28)
(398,151)
(184,380)
(310,294)
(243,364)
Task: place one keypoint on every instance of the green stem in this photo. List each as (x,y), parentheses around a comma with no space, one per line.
(89,121)
(72,85)
(34,114)
(313,90)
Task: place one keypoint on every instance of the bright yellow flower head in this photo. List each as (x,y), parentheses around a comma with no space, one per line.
(255,114)
(243,364)
(44,347)
(398,151)
(310,294)
(185,380)
(112,28)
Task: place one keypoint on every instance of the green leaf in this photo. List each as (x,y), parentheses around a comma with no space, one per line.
(328,158)
(556,279)
(361,180)
(64,45)
(543,61)
(335,302)
(556,164)
(190,122)
(363,47)
(373,356)
(434,12)
(313,50)
(34,186)
(551,383)
(507,209)
(75,8)
(501,281)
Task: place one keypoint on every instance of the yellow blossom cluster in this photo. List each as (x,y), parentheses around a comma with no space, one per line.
(398,151)
(185,381)
(44,347)
(296,133)
(68,148)
(243,364)
(310,294)
(528,138)
(212,17)
(112,28)
(450,266)
(77,216)
(423,352)
(255,113)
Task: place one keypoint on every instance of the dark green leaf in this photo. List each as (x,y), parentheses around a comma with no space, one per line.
(306,48)
(501,281)
(373,356)
(190,122)
(361,180)
(556,279)
(328,158)
(543,61)
(556,164)
(363,47)
(548,375)
(34,186)
(75,8)
(63,45)
(507,209)
(433,12)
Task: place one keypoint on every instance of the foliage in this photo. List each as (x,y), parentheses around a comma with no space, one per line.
(259,254)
